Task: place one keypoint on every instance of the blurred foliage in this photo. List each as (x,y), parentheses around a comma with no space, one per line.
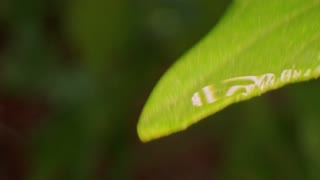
(75,74)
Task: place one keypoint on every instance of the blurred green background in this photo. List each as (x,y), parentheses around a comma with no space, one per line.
(74,76)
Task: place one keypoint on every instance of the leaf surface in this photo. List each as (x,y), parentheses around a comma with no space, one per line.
(258,46)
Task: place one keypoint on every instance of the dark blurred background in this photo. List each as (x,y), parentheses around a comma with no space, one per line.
(74,76)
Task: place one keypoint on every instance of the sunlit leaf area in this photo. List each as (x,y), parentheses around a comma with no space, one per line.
(76,77)
(255,48)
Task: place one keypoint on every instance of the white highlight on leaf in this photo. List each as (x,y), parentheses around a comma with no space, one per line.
(296,74)
(245,85)
(246,88)
(209,94)
(260,82)
(196,99)
(307,73)
(317,70)
(286,75)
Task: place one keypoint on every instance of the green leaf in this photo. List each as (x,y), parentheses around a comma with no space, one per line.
(258,46)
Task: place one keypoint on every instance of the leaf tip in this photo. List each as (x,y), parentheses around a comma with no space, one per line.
(142,134)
